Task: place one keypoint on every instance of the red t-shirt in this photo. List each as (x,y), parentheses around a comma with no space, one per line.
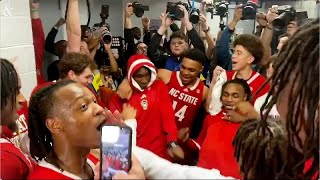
(185,101)
(255,82)
(14,164)
(216,150)
(45,170)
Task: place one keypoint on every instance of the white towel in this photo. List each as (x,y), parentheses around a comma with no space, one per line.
(215,104)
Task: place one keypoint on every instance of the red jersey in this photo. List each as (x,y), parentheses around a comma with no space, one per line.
(255,82)
(14,163)
(45,170)
(185,101)
(216,145)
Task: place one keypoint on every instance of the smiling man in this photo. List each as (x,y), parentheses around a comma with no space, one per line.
(186,90)
(248,50)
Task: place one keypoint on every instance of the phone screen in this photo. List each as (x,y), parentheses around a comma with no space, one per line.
(115,150)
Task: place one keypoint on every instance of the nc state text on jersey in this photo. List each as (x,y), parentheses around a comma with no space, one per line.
(182,96)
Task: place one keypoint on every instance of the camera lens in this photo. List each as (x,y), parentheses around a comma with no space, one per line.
(194,17)
(106,35)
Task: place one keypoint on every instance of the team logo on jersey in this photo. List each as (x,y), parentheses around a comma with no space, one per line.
(144,104)
(198,91)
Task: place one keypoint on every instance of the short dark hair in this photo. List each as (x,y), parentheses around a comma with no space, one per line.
(9,83)
(240,82)
(180,35)
(75,62)
(195,55)
(252,44)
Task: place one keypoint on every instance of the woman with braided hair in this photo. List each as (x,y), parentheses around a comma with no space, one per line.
(295,92)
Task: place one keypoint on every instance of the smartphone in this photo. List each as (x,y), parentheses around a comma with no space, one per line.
(116,145)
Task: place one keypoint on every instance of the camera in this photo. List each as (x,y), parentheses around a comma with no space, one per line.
(249,11)
(286,14)
(221,8)
(175,11)
(210,9)
(106,34)
(194,16)
(138,9)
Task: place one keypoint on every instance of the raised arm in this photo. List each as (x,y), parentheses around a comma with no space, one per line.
(146,30)
(38,40)
(49,45)
(193,35)
(223,50)
(156,56)
(113,62)
(205,28)
(73,27)
(267,33)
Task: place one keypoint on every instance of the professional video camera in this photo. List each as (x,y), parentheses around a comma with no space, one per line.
(175,11)
(221,8)
(106,34)
(249,10)
(286,14)
(138,9)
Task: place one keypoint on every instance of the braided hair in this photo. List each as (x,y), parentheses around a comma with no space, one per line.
(260,155)
(9,84)
(42,105)
(298,67)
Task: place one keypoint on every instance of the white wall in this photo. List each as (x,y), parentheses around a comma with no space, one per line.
(16,40)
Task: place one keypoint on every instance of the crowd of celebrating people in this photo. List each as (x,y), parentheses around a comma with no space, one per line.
(198,108)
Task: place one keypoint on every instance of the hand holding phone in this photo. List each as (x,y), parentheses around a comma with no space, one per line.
(116,145)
